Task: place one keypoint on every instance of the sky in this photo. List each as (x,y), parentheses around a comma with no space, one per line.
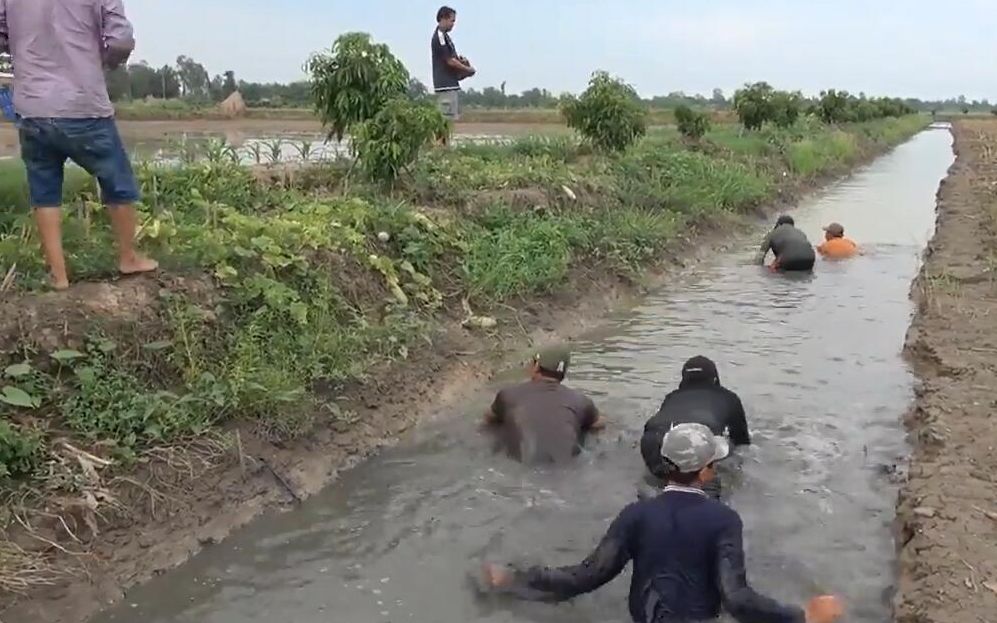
(881,47)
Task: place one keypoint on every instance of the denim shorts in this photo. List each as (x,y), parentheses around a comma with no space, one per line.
(93,144)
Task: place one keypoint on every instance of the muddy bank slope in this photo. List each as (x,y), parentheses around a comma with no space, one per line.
(947,514)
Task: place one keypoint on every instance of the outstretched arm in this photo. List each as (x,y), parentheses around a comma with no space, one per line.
(563,583)
(740,600)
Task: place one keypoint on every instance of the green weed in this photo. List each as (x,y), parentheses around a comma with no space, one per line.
(20,451)
(525,254)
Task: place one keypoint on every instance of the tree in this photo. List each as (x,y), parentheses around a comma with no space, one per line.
(391,140)
(169,83)
(609,113)
(353,82)
(215,88)
(691,124)
(416,89)
(786,108)
(833,106)
(230,86)
(718,98)
(118,86)
(754,105)
(144,81)
(193,78)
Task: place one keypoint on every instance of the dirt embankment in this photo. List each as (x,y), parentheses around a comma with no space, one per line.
(947,516)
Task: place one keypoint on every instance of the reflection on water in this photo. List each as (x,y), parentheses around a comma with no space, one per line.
(817,362)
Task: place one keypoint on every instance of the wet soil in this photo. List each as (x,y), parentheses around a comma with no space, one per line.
(947,516)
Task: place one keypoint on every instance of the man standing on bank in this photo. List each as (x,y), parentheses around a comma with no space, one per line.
(59,49)
(687,552)
(449,68)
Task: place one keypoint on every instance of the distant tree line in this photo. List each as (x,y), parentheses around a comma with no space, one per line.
(190,80)
(497,97)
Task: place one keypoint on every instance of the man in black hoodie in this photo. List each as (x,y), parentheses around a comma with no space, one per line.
(700,399)
(791,247)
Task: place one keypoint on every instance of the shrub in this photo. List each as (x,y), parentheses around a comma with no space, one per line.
(833,106)
(354,81)
(20,451)
(691,124)
(391,141)
(608,113)
(753,105)
(786,108)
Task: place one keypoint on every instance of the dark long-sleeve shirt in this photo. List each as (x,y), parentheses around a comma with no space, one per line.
(706,403)
(688,560)
(787,243)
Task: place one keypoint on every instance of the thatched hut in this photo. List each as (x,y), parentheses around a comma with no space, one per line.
(233,106)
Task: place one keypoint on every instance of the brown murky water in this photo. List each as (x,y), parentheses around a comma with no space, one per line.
(816,360)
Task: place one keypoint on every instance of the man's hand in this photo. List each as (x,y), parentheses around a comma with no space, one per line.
(498,576)
(824,609)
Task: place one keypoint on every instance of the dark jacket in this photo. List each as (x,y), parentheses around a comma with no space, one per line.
(701,401)
(688,561)
(788,244)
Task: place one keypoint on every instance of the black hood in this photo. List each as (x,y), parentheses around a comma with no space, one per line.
(699,371)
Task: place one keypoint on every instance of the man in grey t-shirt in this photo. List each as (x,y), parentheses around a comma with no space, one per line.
(449,68)
(542,420)
(792,249)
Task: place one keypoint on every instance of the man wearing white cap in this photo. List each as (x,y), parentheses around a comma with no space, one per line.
(686,548)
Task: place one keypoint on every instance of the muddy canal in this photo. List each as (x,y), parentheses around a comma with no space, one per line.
(816,360)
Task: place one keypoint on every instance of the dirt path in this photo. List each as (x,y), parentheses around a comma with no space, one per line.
(947,516)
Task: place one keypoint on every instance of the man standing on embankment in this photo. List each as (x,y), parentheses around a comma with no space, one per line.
(59,50)
(449,68)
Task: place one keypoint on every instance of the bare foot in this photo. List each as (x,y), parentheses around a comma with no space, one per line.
(137,264)
(57,283)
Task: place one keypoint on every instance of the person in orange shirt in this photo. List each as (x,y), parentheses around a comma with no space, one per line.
(835,245)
